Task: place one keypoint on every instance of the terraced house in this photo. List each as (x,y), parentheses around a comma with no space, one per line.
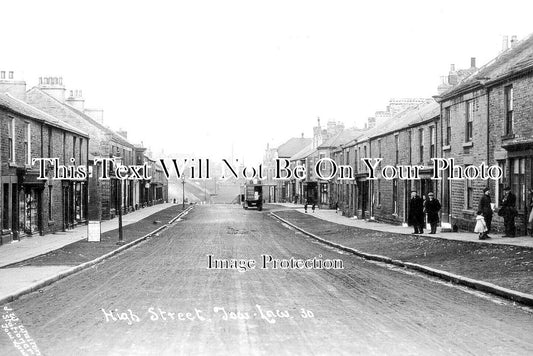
(29,205)
(489,118)
(50,95)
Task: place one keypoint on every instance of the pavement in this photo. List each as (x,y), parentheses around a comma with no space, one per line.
(162,298)
(29,247)
(332,216)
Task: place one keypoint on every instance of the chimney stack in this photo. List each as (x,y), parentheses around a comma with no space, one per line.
(53,86)
(472,62)
(453,78)
(76,100)
(14,87)
(505,43)
(123,133)
(514,40)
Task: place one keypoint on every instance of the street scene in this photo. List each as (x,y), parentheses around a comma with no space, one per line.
(292,178)
(161,298)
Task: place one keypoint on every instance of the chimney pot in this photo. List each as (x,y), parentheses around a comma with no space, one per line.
(452,67)
(505,43)
(514,39)
(473,62)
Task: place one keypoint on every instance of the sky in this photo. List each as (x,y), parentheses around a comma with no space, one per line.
(221,79)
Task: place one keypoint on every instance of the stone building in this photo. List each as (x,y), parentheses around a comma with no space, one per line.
(488,119)
(51,96)
(31,205)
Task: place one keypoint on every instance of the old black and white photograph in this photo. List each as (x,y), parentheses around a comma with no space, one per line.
(243,177)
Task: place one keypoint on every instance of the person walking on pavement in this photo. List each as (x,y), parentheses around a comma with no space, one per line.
(508,212)
(416,213)
(485,208)
(314,205)
(432,208)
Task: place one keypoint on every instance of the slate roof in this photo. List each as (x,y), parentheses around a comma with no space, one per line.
(303,153)
(116,137)
(20,107)
(292,146)
(341,138)
(513,60)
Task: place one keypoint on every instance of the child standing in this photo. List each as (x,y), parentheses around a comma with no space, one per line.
(481,227)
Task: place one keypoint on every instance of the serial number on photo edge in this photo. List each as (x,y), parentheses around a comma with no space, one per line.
(129,316)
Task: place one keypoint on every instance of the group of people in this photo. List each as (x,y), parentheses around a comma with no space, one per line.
(419,208)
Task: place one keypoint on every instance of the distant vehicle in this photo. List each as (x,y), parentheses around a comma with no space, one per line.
(252,195)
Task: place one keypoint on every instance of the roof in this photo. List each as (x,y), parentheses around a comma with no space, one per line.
(513,60)
(20,107)
(292,146)
(116,137)
(303,153)
(341,138)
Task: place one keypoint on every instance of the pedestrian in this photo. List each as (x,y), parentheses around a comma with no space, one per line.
(432,208)
(336,207)
(314,205)
(485,207)
(481,226)
(530,220)
(508,212)
(416,213)
(305,205)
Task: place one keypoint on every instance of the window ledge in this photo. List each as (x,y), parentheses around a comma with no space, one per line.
(508,137)
(51,222)
(468,212)
(446,148)
(468,144)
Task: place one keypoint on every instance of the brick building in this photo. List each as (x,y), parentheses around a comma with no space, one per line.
(29,205)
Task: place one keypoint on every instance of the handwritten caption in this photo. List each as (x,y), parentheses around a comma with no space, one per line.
(17,333)
(157,314)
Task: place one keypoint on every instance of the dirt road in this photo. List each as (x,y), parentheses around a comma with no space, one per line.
(160,298)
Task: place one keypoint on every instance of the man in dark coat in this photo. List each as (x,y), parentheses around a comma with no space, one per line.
(509,212)
(416,213)
(432,208)
(486,209)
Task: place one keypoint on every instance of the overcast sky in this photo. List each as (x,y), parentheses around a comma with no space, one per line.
(202,77)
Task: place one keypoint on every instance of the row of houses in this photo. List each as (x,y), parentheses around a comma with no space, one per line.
(480,115)
(47,121)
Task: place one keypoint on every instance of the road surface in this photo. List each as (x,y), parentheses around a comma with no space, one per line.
(160,298)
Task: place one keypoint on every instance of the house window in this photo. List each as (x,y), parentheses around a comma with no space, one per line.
(518,181)
(10,75)
(432,142)
(448,126)
(469,120)
(379,148)
(2,75)
(379,191)
(74,147)
(50,139)
(27,144)
(64,148)
(347,157)
(410,142)
(509,110)
(421,145)
(323,167)
(11,139)
(469,193)
(81,146)
(397,147)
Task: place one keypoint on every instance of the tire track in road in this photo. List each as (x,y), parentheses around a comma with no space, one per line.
(362,309)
